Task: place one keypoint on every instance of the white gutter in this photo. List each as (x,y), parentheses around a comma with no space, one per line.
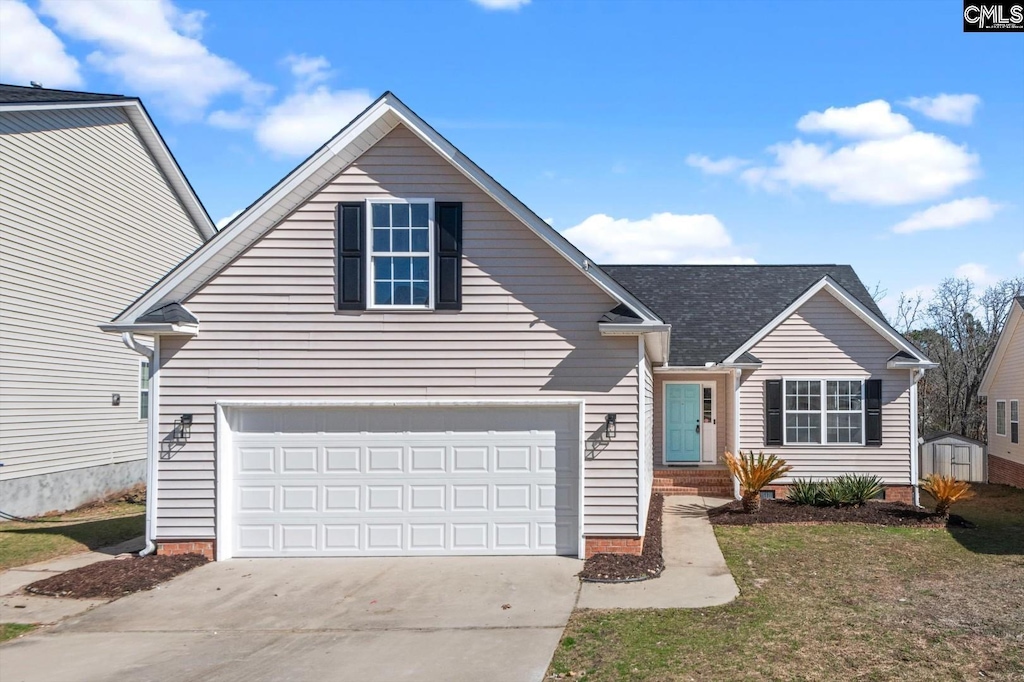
(153,355)
(915,448)
(151,328)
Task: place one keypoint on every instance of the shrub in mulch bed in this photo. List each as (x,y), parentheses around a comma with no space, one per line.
(117,577)
(876,513)
(621,568)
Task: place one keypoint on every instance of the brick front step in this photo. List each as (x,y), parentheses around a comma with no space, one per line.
(710,482)
(705,491)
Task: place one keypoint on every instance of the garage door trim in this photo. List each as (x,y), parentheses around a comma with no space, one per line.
(224,446)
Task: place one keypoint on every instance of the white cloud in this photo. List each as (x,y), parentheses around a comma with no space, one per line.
(977,273)
(871,120)
(957,109)
(308,71)
(662,238)
(306,120)
(949,215)
(502,4)
(723,166)
(223,222)
(29,51)
(901,170)
(155,48)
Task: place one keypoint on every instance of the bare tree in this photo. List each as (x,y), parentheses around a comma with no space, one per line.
(908,309)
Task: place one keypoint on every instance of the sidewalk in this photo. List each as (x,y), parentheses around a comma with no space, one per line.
(695,574)
(19,607)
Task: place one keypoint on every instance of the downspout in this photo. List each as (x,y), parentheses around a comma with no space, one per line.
(915,376)
(737,376)
(151,354)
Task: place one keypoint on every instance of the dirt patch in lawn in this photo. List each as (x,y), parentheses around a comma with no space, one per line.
(117,577)
(875,513)
(631,567)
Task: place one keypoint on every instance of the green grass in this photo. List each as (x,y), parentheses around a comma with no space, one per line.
(12,630)
(835,602)
(54,536)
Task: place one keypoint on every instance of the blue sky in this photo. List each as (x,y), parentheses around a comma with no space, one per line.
(878,135)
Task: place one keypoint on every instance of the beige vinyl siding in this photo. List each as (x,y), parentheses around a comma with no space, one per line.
(824,339)
(528,329)
(1008,384)
(723,409)
(648,436)
(87,223)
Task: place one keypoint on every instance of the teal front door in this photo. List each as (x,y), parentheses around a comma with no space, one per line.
(682,423)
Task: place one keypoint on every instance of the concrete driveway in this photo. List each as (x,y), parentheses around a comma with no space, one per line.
(318,619)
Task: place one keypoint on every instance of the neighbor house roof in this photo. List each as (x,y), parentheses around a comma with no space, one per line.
(19,93)
(715,309)
(365,130)
(15,98)
(1013,320)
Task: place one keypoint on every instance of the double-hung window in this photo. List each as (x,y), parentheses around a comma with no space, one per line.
(401,253)
(144,389)
(829,411)
(1000,417)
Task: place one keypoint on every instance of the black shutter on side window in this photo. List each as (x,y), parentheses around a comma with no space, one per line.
(448,294)
(1014,432)
(351,242)
(773,412)
(873,412)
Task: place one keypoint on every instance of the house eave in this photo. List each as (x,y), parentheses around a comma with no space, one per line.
(152,329)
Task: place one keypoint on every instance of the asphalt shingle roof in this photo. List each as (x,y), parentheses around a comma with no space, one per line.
(713,309)
(16,94)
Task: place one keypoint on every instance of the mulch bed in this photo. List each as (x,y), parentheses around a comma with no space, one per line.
(875,513)
(614,568)
(117,577)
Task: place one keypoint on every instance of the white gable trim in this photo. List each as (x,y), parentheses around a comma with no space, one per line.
(1013,322)
(154,144)
(859,309)
(310,177)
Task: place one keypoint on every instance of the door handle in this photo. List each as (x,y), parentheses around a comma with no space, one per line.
(698,427)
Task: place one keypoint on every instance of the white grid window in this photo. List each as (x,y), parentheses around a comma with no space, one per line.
(144,389)
(1000,417)
(400,253)
(829,411)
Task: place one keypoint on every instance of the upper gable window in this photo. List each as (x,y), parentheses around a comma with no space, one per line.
(401,264)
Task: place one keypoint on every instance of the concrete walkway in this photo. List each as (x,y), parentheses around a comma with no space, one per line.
(18,607)
(695,572)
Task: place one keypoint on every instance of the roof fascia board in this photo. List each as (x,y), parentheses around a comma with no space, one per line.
(254,212)
(626,329)
(828,284)
(154,142)
(1009,329)
(152,328)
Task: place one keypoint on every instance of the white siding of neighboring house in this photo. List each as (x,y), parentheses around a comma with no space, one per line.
(87,223)
(528,328)
(824,339)
(1008,384)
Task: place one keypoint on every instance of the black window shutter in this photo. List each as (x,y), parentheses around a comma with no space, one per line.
(1014,432)
(448,295)
(873,412)
(773,412)
(352,255)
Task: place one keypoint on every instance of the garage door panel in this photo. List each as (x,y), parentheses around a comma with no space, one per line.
(406,493)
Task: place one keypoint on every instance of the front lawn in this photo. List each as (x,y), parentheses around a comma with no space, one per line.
(12,630)
(835,602)
(53,536)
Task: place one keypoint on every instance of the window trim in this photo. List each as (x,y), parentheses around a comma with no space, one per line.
(824,411)
(143,389)
(371,303)
(1005,421)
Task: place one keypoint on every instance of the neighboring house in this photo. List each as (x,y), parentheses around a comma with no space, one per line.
(950,454)
(389,354)
(93,210)
(1003,386)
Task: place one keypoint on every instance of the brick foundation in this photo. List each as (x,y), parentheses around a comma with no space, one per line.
(613,545)
(893,493)
(1005,471)
(172,547)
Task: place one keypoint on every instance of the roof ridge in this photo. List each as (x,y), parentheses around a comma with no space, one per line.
(74,92)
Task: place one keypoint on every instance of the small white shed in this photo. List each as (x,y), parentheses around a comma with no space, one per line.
(950,454)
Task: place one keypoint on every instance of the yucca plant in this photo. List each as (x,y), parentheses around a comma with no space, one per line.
(857,490)
(946,490)
(805,491)
(754,472)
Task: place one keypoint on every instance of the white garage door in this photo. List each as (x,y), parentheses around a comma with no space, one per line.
(403,481)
